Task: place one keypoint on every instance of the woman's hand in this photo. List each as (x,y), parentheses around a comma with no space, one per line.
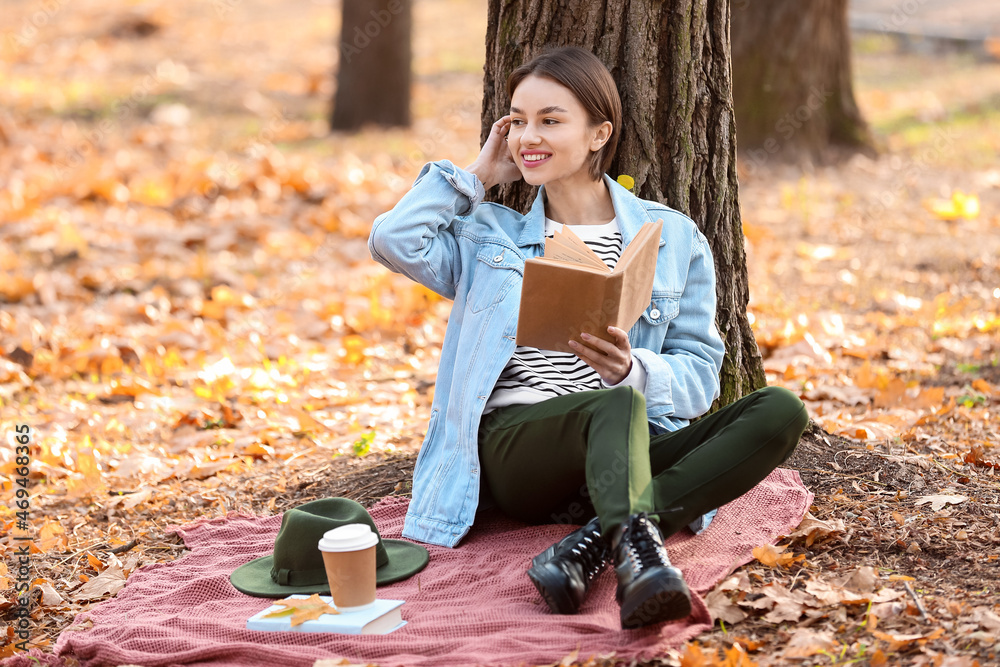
(612,361)
(494,164)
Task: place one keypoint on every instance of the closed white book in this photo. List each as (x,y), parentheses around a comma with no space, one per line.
(381,618)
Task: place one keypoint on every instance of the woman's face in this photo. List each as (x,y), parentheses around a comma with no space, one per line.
(550,135)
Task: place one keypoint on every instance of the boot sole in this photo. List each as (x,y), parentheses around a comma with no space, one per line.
(654,601)
(550,587)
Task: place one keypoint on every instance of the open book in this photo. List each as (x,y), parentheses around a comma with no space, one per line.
(570,290)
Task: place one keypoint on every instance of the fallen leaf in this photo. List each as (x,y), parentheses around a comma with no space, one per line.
(985,617)
(960,205)
(142,464)
(89,479)
(887,610)
(52,537)
(203,470)
(749,645)
(308,424)
(108,582)
(983,387)
(805,643)
(15,288)
(772,556)
(829,593)
(976,456)
(50,597)
(722,608)
(878,659)
(693,656)
(862,580)
(813,529)
(898,642)
(95,562)
(939,501)
(130,500)
(786,611)
(737,657)
(788,605)
(302,609)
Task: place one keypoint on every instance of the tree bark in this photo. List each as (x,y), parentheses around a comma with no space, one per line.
(792,83)
(670,59)
(373,84)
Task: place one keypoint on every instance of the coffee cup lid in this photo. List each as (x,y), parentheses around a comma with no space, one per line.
(352,537)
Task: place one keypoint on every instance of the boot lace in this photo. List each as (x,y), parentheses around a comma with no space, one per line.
(591,552)
(645,549)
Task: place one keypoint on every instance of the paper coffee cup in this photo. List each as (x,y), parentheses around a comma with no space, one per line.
(349,557)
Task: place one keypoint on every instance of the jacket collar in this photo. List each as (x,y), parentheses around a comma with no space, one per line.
(629,209)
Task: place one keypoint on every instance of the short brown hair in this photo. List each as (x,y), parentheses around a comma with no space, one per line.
(590,82)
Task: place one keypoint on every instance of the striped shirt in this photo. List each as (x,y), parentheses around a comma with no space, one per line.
(533,375)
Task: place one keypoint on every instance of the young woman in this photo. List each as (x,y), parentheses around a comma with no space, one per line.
(550,436)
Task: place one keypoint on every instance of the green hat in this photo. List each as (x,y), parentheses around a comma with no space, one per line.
(297,563)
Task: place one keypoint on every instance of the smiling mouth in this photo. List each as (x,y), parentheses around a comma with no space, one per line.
(535,159)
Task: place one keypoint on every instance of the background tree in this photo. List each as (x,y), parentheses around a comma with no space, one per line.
(373,84)
(792,83)
(670,59)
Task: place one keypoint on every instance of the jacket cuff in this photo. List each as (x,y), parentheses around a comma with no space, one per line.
(464,182)
(659,376)
(419,529)
(636,378)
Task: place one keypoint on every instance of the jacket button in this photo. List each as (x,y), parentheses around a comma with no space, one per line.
(498,258)
(654,314)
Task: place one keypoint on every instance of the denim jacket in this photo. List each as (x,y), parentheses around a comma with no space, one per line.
(442,235)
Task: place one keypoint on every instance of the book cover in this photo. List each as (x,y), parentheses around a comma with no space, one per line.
(383,617)
(569,290)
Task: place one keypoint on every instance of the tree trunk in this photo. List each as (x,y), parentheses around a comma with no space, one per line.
(792,80)
(670,59)
(373,85)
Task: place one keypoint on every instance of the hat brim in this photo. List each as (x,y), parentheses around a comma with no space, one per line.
(254,578)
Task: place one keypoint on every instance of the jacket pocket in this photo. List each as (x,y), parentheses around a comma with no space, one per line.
(651,329)
(661,310)
(498,269)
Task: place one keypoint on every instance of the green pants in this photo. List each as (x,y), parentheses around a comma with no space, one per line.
(566,458)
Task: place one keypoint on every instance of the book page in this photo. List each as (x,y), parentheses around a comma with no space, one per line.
(558,244)
(568,247)
(571,264)
(650,230)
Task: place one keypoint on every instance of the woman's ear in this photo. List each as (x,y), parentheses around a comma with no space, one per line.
(601,135)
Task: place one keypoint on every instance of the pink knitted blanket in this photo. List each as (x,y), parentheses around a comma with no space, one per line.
(473,605)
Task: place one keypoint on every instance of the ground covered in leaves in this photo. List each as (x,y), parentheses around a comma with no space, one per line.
(191,325)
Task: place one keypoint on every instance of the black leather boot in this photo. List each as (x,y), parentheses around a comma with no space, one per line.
(563,572)
(650,589)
